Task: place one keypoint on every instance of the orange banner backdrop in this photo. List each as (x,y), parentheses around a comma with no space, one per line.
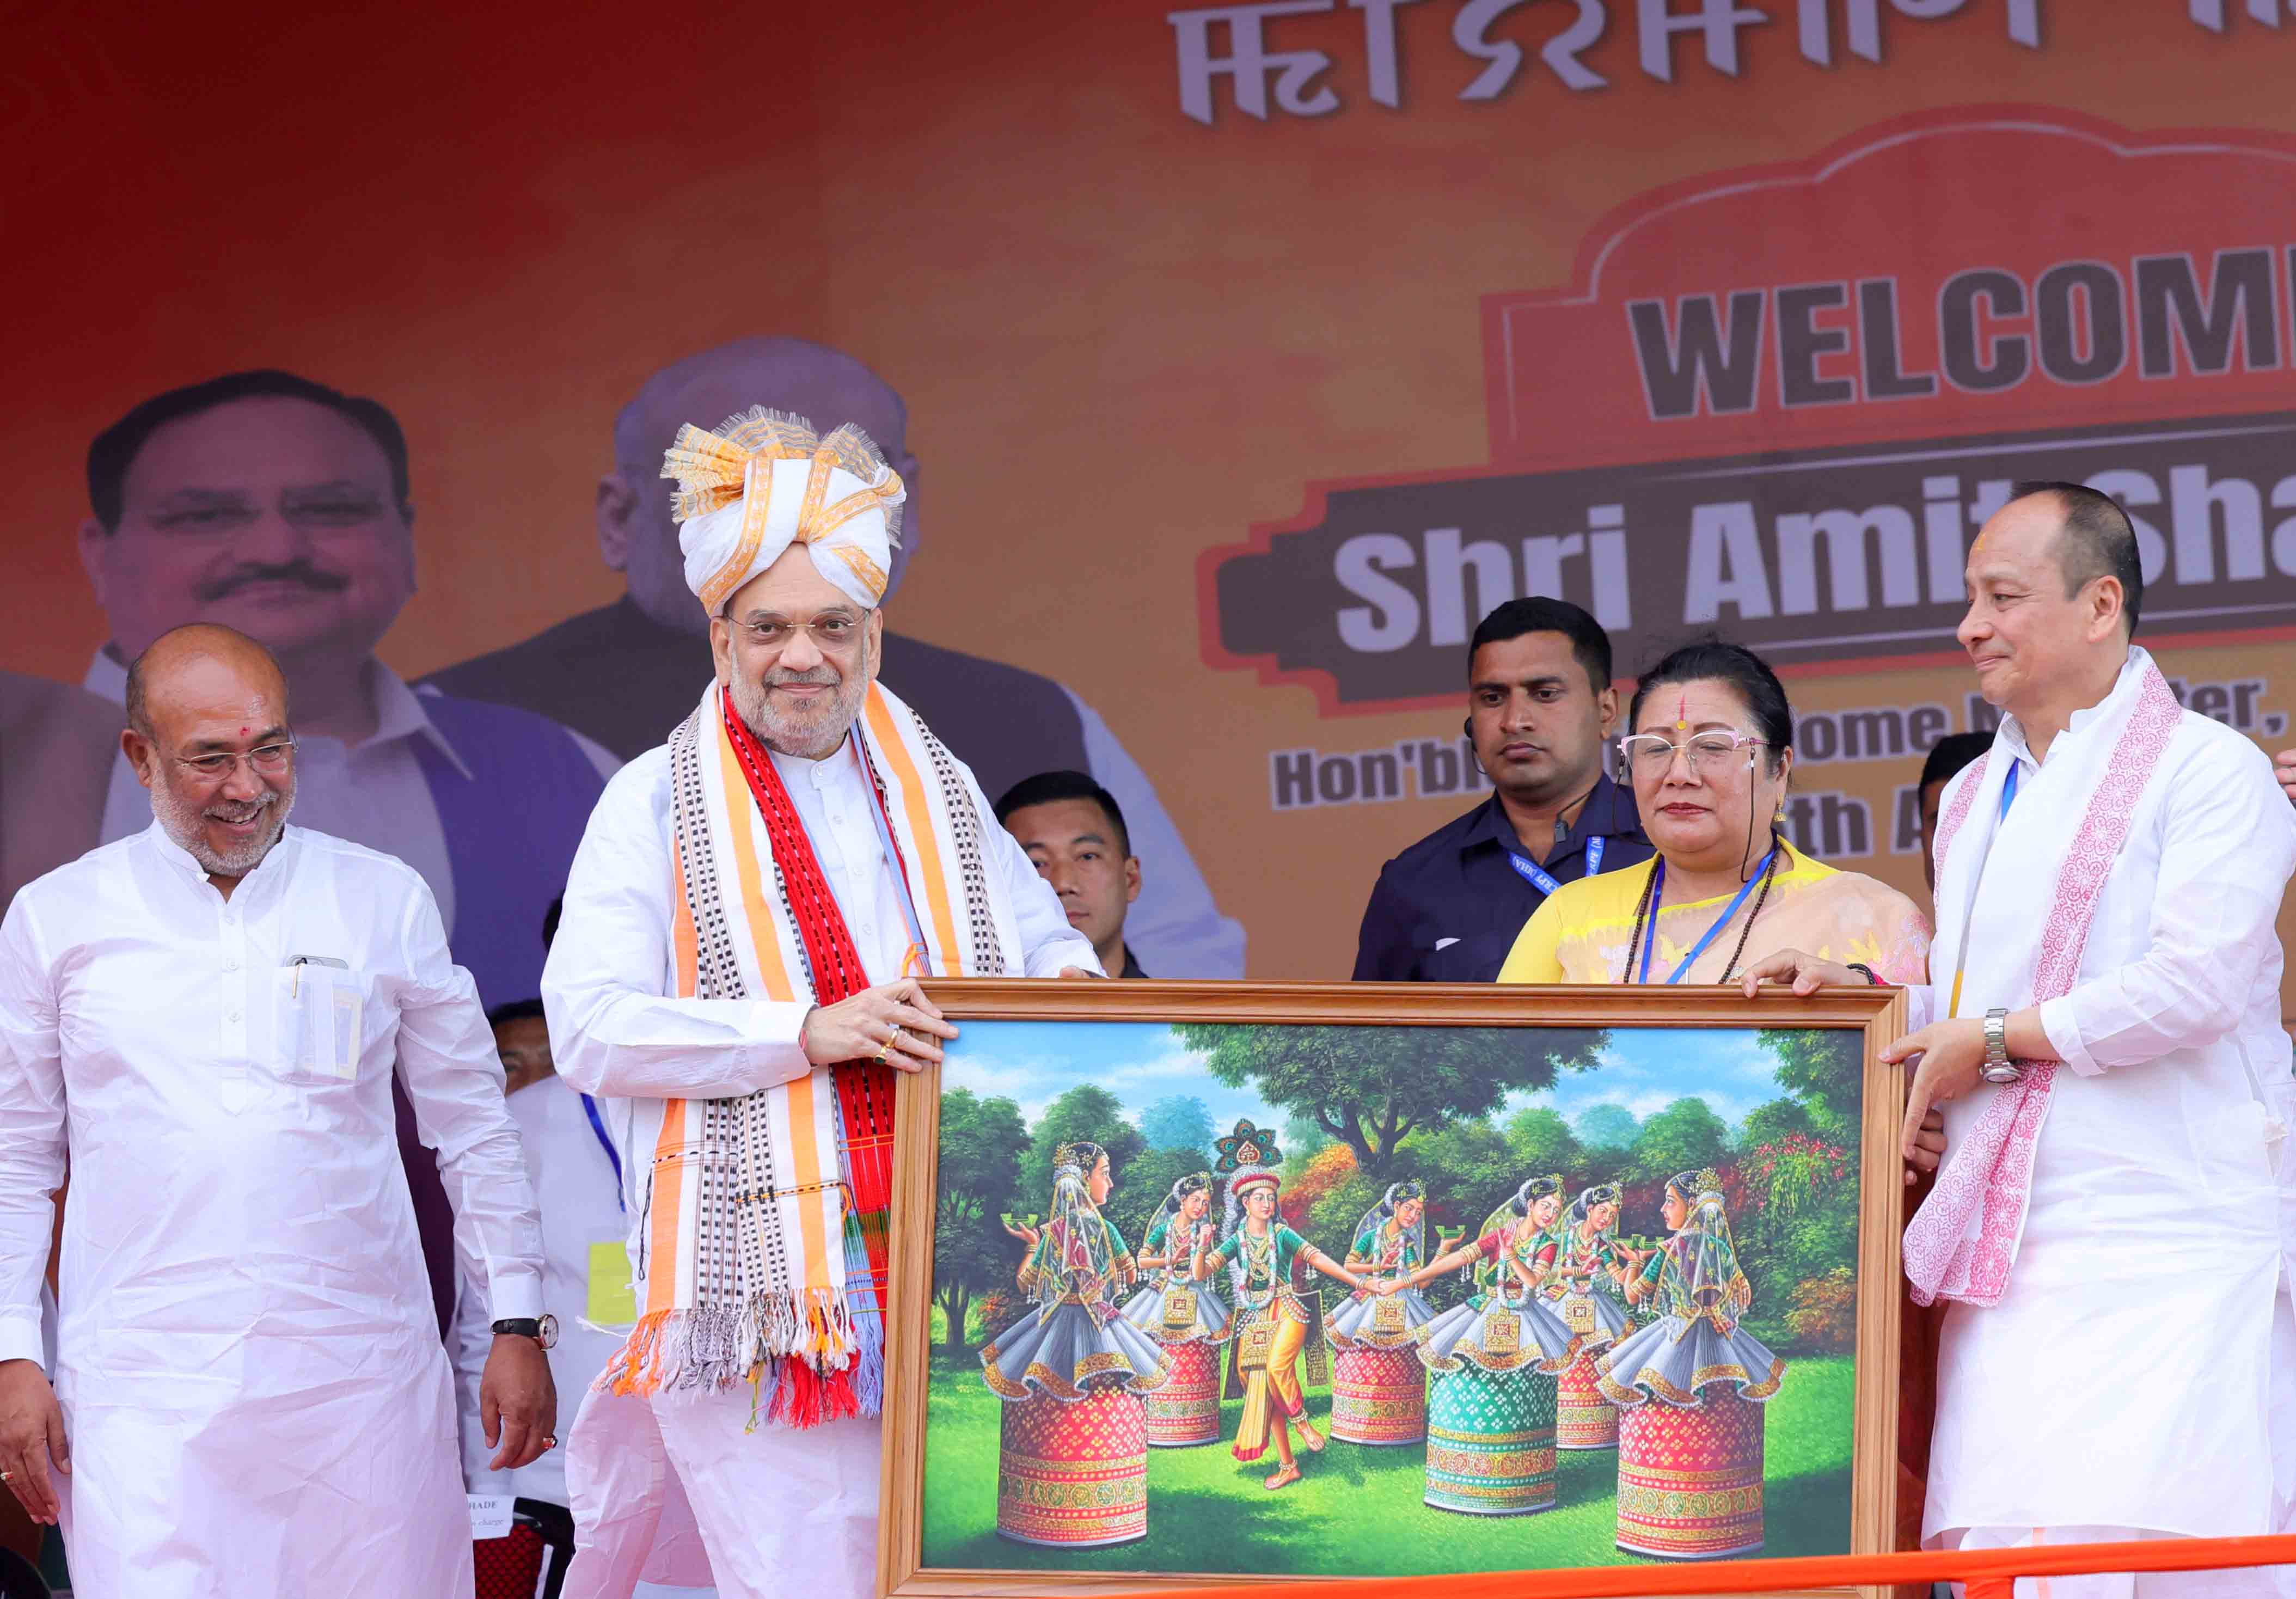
(1704,316)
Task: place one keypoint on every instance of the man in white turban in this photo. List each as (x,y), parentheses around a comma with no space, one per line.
(735,975)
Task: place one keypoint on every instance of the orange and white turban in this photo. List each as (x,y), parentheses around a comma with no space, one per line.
(762,481)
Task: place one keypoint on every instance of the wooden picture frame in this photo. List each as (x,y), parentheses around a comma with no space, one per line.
(1877,1015)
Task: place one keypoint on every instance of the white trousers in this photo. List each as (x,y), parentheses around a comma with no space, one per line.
(2273,1582)
(780,1512)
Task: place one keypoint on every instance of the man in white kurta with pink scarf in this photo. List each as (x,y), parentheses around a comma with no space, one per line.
(2112,1231)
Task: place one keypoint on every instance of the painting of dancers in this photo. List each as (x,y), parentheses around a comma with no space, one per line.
(1347,1284)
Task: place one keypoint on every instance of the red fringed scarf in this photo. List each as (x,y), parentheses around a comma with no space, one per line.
(865,1088)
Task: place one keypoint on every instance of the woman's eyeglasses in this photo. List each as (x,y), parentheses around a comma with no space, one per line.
(1652,754)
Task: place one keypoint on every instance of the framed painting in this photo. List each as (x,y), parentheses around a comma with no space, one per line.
(1195,1284)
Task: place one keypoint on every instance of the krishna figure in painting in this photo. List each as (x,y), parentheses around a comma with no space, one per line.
(1281,1322)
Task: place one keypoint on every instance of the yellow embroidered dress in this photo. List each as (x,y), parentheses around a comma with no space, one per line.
(1581,933)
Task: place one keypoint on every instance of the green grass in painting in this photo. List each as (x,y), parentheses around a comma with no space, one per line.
(1358,1512)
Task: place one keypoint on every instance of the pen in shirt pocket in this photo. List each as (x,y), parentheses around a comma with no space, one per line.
(301,961)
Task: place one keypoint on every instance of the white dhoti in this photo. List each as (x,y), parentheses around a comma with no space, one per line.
(202,1485)
(2135,1376)
(780,1510)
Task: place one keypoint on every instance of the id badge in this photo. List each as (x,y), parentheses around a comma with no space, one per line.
(611,1303)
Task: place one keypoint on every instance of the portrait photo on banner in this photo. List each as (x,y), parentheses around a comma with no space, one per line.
(1201,1283)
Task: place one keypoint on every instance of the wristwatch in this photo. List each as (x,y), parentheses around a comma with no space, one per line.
(544,1332)
(1998,1067)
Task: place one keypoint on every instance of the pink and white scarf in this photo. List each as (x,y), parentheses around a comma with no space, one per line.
(1961,1243)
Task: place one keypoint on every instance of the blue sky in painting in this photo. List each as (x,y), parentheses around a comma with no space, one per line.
(1645,1070)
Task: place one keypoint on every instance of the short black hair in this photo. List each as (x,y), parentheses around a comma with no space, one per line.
(550,923)
(115,449)
(516,1010)
(1952,752)
(1714,659)
(1539,613)
(2097,540)
(1048,787)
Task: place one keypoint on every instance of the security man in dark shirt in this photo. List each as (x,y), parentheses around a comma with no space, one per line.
(1538,702)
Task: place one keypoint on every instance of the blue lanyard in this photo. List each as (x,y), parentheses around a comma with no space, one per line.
(2009,789)
(1658,885)
(1538,877)
(598,1125)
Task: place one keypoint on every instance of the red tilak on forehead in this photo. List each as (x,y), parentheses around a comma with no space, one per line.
(1681,710)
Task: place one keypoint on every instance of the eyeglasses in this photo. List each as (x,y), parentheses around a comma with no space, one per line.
(267,760)
(832,634)
(1652,754)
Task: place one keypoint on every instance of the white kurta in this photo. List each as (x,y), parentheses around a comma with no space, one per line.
(248,1362)
(781,1511)
(2122,1380)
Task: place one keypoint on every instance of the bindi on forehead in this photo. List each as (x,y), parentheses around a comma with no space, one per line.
(1682,711)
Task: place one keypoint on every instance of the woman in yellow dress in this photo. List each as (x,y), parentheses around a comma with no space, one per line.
(1710,756)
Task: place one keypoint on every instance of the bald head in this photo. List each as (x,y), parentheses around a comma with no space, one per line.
(202,661)
(636,532)
(207,733)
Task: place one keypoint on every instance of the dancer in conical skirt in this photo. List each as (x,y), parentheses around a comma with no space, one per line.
(1279,1323)
(1490,1424)
(1690,1388)
(1186,1315)
(1378,1389)
(1072,1470)
(1587,1288)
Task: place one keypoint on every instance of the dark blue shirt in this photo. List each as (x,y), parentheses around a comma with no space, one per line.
(1448,908)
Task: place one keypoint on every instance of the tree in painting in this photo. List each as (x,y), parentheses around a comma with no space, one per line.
(1543,1142)
(1822,1068)
(1086,1113)
(1178,1121)
(1608,1133)
(1685,1136)
(981,1141)
(1303,1138)
(1364,1092)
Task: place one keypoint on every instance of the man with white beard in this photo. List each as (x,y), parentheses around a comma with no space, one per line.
(205,1019)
